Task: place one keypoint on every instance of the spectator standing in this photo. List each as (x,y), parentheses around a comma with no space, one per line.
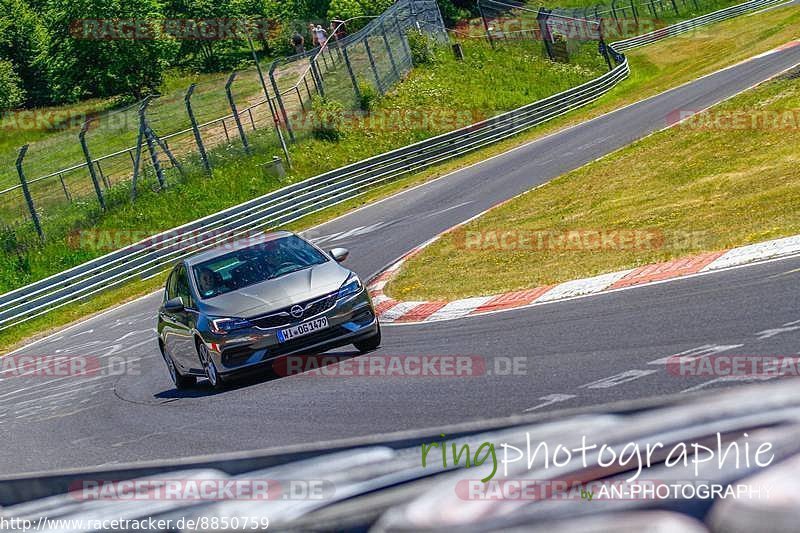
(322,35)
(299,43)
(313,31)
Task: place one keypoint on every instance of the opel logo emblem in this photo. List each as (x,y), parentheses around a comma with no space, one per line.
(296,311)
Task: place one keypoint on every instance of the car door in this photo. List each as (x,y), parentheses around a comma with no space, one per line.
(167,320)
(178,325)
(185,323)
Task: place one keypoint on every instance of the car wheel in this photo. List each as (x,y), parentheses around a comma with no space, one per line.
(179,380)
(213,375)
(369,344)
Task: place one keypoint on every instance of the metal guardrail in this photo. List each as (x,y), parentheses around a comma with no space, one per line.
(147,258)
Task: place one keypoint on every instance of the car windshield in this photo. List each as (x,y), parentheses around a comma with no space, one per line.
(258,263)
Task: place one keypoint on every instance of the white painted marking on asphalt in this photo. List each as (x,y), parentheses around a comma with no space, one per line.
(550,399)
(696,353)
(445,210)
(617,379)
(728,379)
(786,328)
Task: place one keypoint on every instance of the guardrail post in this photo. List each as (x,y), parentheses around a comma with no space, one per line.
(349,66)
(90,163)
(279,98)
(27,193)
(372,64)
(235,112)
(389,51)
(198,139)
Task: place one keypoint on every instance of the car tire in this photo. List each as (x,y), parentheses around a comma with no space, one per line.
(369,344)
(180,381)
(212,374)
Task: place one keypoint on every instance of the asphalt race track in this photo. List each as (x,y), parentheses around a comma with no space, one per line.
(581,352)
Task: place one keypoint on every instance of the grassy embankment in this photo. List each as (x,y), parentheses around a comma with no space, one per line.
(724,178)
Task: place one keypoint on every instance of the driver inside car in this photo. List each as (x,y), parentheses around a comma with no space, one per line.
(206,282)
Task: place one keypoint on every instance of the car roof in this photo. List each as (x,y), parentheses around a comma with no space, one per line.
(240,244)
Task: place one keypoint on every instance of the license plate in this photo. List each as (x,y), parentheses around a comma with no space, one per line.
(302,329)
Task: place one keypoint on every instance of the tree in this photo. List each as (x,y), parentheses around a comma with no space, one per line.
(22,39)
(11,93)
(93,51)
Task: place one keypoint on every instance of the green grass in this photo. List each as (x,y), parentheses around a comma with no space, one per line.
(655,69)
(700,188)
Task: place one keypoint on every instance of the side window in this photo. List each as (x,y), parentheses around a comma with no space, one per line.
(169,291)
(182,287)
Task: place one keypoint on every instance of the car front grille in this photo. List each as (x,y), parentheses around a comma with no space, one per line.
(283,317)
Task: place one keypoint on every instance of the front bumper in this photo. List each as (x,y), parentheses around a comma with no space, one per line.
(349,320)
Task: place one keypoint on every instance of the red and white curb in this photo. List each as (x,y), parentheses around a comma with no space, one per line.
(393,311)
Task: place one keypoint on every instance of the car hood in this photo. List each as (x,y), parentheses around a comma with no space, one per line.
(278,293)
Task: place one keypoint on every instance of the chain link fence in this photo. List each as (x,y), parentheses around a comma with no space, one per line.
(566,32)
(116,153)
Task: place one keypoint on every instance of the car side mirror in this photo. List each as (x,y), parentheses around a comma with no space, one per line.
(339,254)
(174,305)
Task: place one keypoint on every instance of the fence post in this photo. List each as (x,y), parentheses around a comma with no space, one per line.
(389,51)
(544,30)
(485,25)
(635,14)
(372,64)
(90,163)
(349,66)
(675,7)
(279,98)
(235,112)
(195,129)
(404,39)
(27,193)
(316,76)
(144,130)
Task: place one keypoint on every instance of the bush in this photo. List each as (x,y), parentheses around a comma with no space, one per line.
(421,48)
(327,119)
(11,93)
(369,96)
(348,9)
(456,10)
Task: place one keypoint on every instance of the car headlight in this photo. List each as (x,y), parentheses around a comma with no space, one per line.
(221,326)
(350,287)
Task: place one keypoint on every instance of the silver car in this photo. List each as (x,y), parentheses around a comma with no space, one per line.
(246,303)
